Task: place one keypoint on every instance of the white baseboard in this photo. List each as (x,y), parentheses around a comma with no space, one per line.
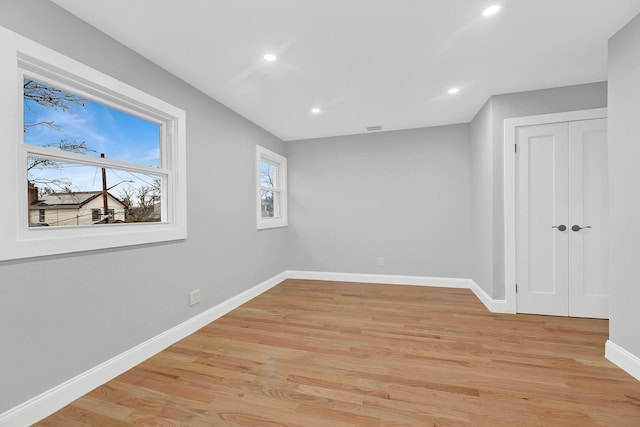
(493,305)
(441,282)
(623,359)
(56,398)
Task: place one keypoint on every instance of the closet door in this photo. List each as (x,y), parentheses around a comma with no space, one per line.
(588,218)
(541,224)
(561,219)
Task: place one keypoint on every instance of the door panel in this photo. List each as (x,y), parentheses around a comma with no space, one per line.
(561,179)
(588,206)
(542,195)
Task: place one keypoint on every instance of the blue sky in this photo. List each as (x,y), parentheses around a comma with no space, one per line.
(120,136)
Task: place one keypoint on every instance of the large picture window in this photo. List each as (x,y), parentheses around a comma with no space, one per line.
(58,123)
(271,189)
(99,163)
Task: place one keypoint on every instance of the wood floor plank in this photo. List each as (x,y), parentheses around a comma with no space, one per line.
(318,353)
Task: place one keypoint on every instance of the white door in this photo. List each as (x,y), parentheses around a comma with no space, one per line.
(589,210)
(561,219)
(542,252)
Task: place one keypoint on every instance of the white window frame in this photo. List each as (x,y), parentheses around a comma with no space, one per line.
(20,56)
(280,187)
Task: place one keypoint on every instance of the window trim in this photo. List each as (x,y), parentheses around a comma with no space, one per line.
(18,55)
(281,162)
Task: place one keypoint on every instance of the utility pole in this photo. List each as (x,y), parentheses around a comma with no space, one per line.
(105,197)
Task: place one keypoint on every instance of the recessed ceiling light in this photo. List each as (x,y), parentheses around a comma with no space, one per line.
(315,110)
(269,57)
(453,90)
(491,10)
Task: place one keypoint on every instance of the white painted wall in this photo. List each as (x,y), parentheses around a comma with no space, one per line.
(400,195)
(624,187)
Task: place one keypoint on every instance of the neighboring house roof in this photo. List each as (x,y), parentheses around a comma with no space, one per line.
(69,200)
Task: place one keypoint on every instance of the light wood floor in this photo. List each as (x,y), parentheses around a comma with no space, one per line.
(331,354)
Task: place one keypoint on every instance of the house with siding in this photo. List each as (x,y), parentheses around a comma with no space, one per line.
(75,208)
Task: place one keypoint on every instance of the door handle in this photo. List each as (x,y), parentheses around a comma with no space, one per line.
(578,228)
(562,227)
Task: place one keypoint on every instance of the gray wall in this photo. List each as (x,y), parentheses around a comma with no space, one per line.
(546,101)
(481,174)
(428,200)
(62,315)
(399,195)
(624,186)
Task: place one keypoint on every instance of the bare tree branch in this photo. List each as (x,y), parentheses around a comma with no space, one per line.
(48,97)
(63,144)
(51,97)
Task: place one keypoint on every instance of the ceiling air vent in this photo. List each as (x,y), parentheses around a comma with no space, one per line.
(373,128)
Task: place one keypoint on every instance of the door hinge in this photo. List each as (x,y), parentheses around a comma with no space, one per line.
(516,147)
(516,288)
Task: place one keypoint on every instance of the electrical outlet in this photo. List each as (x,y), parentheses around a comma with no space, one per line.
(194,297)
(381,261)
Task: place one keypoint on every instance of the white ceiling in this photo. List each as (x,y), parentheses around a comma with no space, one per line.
(364,62)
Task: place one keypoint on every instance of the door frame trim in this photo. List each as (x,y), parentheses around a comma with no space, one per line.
(509,179)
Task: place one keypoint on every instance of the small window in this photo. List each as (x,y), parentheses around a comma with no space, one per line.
(271,171)
(96,215)
(41,215)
